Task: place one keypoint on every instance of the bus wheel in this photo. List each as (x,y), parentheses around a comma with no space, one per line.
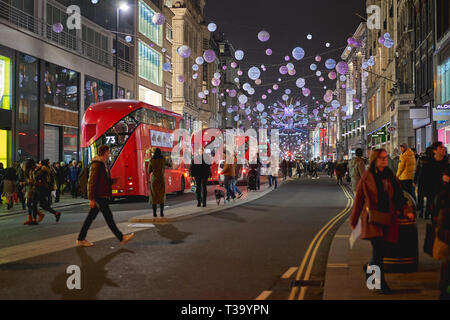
(183,186)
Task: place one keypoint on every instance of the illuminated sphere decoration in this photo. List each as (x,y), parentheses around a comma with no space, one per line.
(290,66)
(332,75)
(318,58)
(184,51)
(128,39)
(234,65)
(167,67)
(269,52)
(263,36)
(209,56)
(58,27)
(240,73)
(254,73)
(287,58)
(215,82)
(217,75)
(342,67)
(199,60)
(306,92)
(243,99)
(232,93)
(292,72)
(327,44)
(158,19)
(195,76)
(195,67)
(258,82)
(300,82)
(212,27)
(180,78)
(260,107)
(298,53)
(239,55)
(330,64)
(284,70)
(343,78)
(246,86)
(313,67)
(309,37)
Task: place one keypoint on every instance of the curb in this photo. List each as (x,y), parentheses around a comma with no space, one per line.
(144,219)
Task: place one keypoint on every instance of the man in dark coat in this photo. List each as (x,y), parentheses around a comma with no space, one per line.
(431,176)
(99,193)
(200,172)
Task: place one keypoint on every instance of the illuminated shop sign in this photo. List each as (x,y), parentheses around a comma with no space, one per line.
(443,106)
(5,83)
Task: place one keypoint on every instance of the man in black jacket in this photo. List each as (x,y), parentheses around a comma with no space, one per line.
(201,173)
(431,175)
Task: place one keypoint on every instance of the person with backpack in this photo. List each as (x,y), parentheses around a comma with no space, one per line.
(99,194)
(44,187)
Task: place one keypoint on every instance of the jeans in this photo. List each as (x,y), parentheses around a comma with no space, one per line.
(378,253)
(274,180)
(41,197)
(103,206)
(228,181)
(73,188)
(201,191)
(235,188)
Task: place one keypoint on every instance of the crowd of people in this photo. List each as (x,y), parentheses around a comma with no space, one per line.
(63,178)
(380,185)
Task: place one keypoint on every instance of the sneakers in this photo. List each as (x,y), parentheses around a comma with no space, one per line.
(84,243)
(126,238)
(240,195)
(58,216)
(40,216)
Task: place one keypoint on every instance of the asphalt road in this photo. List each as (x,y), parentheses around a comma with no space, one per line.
(236,253)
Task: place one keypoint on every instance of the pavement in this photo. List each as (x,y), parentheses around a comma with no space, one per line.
(65,200)
(254,249)
(345,279)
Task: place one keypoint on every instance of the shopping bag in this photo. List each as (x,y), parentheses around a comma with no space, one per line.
(356,233)
(193,186)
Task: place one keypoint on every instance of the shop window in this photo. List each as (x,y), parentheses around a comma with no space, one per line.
(61,87)
(146,26)
(70,144)
(96,91)
(150,66)
(27,107)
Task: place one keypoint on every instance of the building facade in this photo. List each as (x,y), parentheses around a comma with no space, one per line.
(50,74)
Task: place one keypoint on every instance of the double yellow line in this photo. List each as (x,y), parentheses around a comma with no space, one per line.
(315,245)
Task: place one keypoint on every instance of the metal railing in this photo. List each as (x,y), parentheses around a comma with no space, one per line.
(65,39)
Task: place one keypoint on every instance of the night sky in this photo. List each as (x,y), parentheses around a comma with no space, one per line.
(288,22)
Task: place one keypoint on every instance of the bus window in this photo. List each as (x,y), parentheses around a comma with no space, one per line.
(171,121)
(141,116)
(152,117)
(158,121)
(165,123)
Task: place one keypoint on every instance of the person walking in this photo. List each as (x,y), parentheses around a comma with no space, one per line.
(99,194)
(284,168)
(442,205)
(29,188)
(431,176)
(357,167)
(200,172)
(273,174)
(418,179)
(229,173)
(405,171)
(44,187)
(9,185)
(73,178)
(239,169)
(60,179)
(340,172)
(157,182)
(379,193)
(20,185)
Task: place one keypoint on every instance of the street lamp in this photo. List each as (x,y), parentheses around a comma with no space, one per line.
(124,7)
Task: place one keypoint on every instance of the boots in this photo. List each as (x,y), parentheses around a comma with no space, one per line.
(28,221)
(40,216)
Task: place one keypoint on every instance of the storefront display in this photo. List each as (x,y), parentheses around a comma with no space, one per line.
(96,91)
(61,87)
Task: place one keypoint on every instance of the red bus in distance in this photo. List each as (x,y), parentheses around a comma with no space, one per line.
(132,129)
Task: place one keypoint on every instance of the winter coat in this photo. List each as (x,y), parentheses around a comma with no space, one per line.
(157,193)
(73,173)
(367,197)
(229,170)
(202,170)
(423,160)
(393,163)
(431,176)
(100,182)
(357,167)
(407,165)
(340,170)
(44,178)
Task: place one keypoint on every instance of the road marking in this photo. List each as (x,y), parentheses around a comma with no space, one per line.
(337,265)
(342,236)
(316,249)
(264,295)
(289,273)
(310,248)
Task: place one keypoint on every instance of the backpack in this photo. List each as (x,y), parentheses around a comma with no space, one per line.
(83,179)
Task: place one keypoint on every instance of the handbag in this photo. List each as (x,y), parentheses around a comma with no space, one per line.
(440,248)
(193,186)
(378,217)
(430,237)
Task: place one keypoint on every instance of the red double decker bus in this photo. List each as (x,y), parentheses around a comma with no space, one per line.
(132,129)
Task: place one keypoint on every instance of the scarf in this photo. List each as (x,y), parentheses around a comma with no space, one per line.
(383,197)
